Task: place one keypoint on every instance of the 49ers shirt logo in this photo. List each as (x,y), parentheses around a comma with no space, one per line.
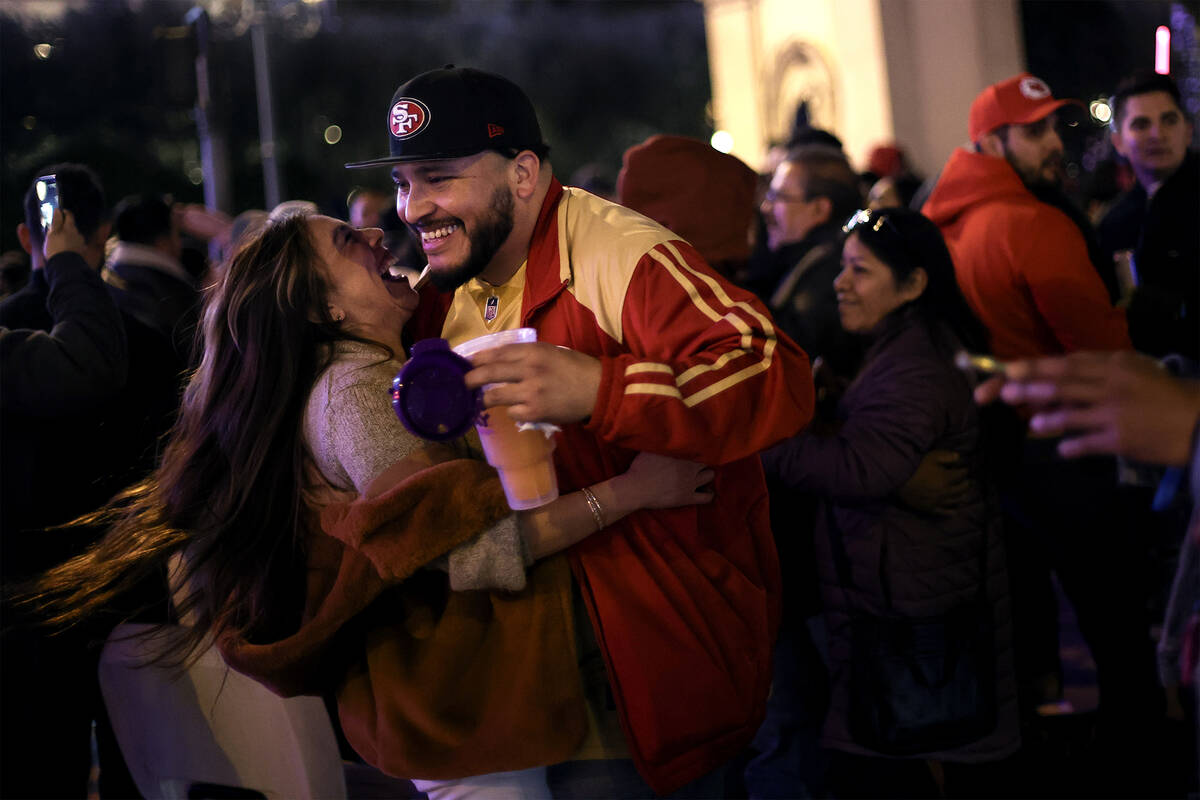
(408,117)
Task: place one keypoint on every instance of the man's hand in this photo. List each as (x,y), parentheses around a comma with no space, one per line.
(63,236)
(939,486)
(1118,403)
(538,381)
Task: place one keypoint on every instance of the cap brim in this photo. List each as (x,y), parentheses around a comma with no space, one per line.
(1043,111)
(383,162)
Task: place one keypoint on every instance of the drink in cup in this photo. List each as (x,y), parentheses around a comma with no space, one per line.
(522,457)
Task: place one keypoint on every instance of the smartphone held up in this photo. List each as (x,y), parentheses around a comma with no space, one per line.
(47,194)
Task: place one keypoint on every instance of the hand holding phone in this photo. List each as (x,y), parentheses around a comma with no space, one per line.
(63,236)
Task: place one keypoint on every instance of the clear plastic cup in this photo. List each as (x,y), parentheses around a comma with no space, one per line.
(524,458)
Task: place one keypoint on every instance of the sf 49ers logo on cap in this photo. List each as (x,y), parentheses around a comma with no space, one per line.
(1034,88)
(408,117)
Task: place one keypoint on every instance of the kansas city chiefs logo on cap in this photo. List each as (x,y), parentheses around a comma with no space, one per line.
(408,117)
(1034,88)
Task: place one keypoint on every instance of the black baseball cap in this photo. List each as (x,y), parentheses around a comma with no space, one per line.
(454,112)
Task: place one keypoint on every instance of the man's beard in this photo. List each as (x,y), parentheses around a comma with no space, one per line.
(489,236)
(1035,179)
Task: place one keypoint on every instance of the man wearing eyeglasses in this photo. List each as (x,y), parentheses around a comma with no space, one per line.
(813,190)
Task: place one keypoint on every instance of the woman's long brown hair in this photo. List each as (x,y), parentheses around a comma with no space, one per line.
(228,489)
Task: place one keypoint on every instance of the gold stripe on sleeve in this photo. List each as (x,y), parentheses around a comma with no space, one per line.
(648,366)
(654,388)
(676,266)
(763,320)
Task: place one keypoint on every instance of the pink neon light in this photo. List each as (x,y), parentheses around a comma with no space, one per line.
(1162,50)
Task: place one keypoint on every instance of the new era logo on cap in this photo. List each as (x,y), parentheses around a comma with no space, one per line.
(494,131)
(408,117)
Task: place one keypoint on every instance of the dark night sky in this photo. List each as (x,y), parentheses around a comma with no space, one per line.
(118,89)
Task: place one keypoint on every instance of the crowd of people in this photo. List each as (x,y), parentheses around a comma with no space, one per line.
(827,442)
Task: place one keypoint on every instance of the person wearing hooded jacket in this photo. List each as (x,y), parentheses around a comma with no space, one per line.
(1022,264)
(1024,268)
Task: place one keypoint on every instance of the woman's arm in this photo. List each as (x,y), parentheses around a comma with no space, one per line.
(892,421)
(652,481)
(364,434)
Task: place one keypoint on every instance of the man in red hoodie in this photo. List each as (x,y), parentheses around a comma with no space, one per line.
(1023,266)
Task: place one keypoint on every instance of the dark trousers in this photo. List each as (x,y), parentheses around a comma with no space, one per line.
(789,761)
(1066,517)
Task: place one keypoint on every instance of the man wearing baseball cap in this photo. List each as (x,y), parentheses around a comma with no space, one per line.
(642,346)
(1023,266)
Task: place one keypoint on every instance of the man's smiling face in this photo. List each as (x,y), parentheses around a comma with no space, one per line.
(462,210)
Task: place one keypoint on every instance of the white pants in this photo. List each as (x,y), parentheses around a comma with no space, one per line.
(523,784)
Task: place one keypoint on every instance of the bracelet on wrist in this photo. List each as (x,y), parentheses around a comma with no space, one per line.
(595,507)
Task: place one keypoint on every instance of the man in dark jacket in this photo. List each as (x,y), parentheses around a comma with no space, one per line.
(1153,225)
(64,357)
(160,305)
(813,191)
(150,282)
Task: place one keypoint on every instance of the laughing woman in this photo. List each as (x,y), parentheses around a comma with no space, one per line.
(915,604)
(314,534)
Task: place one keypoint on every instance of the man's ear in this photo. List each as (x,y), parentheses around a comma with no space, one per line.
(103,231)
(25,238)
(96,253)
(991,144)
(527,169)
(824,209)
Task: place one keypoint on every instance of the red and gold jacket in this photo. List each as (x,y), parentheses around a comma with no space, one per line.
(684,602)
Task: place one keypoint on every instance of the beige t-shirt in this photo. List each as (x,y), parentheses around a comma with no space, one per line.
(478,308)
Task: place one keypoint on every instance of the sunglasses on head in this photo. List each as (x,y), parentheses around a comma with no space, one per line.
(876,221)
(866,217)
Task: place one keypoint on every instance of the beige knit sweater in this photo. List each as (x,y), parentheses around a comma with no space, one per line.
(353,435)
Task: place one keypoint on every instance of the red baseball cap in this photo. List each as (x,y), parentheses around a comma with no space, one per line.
(1017,101)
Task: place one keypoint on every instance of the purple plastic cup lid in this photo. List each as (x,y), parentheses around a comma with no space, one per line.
(429,394)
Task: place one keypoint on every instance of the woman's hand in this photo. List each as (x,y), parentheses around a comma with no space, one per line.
(940,485)
(654,481)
